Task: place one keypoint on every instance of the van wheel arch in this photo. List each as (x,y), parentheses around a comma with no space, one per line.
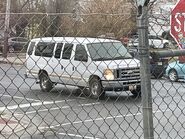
(42,71)
(94,76)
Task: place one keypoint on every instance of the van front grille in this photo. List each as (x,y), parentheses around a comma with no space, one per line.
(128,73)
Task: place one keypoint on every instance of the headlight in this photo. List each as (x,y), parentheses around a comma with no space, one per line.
(108,74)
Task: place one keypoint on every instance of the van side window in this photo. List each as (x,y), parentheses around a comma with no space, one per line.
(30,50)
(44,49)
(81,53)
(58,50)
(67,51)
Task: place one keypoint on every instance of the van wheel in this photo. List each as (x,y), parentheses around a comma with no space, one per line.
(45,83)
(137,92)
(96,89)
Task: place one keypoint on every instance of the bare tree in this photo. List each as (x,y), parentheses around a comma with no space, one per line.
(2,6)
(109,16)
(54,21)
(73,17)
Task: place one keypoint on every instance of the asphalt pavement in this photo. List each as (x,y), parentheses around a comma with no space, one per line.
(9,123)
(27,112)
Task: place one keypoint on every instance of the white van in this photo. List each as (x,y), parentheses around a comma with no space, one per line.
(94,63)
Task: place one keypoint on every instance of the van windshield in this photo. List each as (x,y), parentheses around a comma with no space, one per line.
(108,51)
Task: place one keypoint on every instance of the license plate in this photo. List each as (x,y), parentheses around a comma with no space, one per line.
(159,63)
(132,87)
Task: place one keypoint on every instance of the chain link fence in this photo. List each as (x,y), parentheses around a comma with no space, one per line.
(75,75)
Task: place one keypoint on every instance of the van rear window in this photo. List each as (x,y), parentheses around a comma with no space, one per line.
(44,49)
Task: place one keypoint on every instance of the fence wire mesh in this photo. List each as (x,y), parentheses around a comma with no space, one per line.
(77,75)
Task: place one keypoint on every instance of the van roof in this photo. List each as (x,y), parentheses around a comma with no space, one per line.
(84,40)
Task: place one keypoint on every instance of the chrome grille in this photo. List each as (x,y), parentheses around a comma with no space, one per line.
(128,73)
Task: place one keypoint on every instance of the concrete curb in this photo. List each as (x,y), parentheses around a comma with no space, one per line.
(13,60)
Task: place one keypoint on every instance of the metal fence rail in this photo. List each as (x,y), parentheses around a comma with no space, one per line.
(90,75)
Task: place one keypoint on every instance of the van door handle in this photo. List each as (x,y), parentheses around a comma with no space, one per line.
(74,68)
(62,67)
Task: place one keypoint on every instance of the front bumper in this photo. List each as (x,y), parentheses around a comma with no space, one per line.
(118,85)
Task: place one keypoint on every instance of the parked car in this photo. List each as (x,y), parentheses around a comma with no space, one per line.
(94,63)
(17,44)
(175,71)
(166,35)
(154,42)
(157,66)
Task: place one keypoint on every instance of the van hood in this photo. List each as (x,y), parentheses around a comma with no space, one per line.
(115,64)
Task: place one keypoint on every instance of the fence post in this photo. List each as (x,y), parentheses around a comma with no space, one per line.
(6,28)
(142,22)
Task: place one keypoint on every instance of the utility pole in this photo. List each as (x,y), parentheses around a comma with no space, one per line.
(142,22)
(6,28)
(76,17)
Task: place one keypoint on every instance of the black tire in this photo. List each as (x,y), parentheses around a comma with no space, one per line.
(157,75)
(45,83)
(96,88)
(11,49)
(172,75)
(152,46)
(137,92)
(166,45)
